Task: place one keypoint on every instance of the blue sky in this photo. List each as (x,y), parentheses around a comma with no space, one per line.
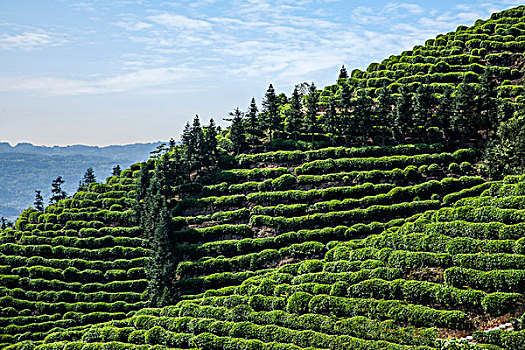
(111,72)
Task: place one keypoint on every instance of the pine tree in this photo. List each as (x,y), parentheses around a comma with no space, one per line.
(3,224)
(293,115)
(363,114)
(330,121)
(187,143)
(270,107)
(384,111)
(172,143)
(487,107)
(343,74)
(237,135)
(403,114)
(159,151)
(312,107)
(464,123)
(252,121)
(424,103)
(39,201)
(56,190)
(156,224)
(345,103)
(196,141)
(210,145)
(445,111)
(116,170)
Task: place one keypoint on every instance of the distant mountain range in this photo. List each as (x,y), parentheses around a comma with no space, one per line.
(25,168)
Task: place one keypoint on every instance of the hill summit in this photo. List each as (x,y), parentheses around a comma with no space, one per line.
(386,211)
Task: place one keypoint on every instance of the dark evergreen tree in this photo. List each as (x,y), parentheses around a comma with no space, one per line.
(424,104)
(403,114)
(384,112)
(39,201)
(487,107)
(159,151)
(330,120)
(294,114)
(445,112)
(464,123)
(89,178)
(270,108)
(3,224)
(56,190)
(237,135)
(187,144)
(210,146)
(312,107)
(172,143)
(252,121)
(345,103)
(196,141)
(156,223)
(363,115)
(343,74)
(116,170)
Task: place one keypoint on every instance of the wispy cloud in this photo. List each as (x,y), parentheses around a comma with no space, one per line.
(173,20)
(140,78)
(31,40)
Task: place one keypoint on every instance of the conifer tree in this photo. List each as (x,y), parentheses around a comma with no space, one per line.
(464,123)
(343,74)
(312,107)
(116,170)
(330,120)
(159,151)
(403,114)
(383,112)
(445,112)
(270,107)
(39,201)
(196,142)
(294,114)
(56,190)
(237,135)
(487,107)
(363,114)
(423,106)
(3,224)
(345,103)
(156,223)
(252,121)
(172,143)
(209,146)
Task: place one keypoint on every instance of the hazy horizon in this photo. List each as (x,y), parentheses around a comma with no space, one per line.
(81,144)
(122,72)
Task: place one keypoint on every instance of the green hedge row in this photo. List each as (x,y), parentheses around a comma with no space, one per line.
(319,220)
(60,252)
(491,281)
(347,164)
(14,281)
(298,157)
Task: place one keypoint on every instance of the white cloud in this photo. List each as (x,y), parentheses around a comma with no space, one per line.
(30,40)
(133,25)
(178,21)
(141,78)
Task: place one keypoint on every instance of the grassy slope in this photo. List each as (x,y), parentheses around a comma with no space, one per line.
(374,258)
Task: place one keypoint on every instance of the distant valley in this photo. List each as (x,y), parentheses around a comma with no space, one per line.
(25,168)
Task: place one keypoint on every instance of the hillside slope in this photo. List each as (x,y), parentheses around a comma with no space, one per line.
(397,246)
